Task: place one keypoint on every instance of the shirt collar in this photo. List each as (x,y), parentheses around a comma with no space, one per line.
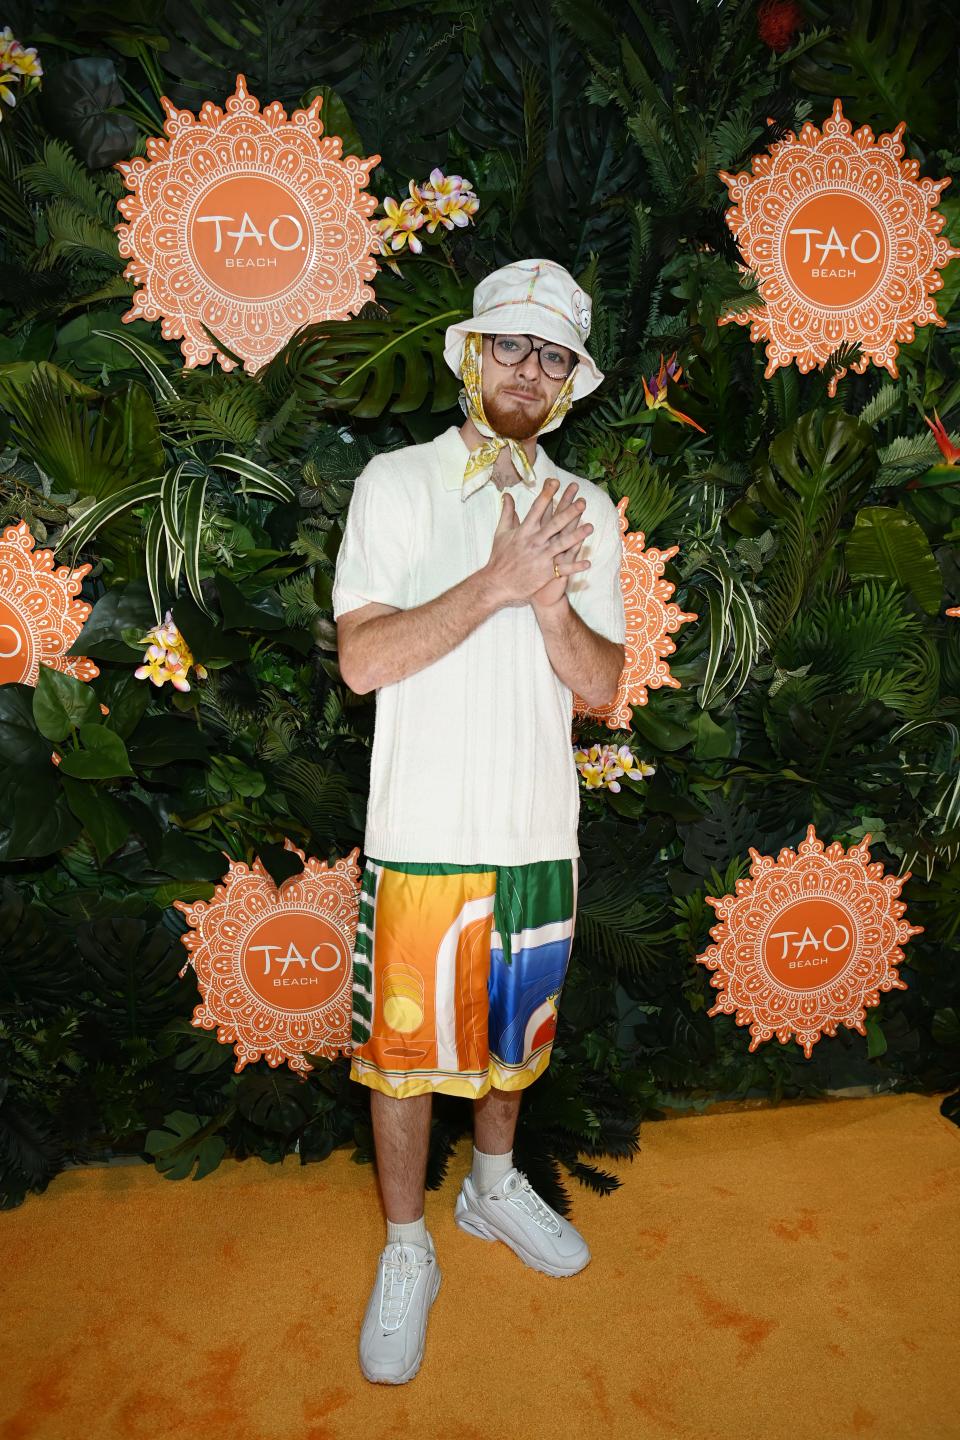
(453,462)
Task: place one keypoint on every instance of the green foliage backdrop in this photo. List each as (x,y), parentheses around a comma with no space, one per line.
(818,544)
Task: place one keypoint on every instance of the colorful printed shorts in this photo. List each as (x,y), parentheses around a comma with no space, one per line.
(437,1003)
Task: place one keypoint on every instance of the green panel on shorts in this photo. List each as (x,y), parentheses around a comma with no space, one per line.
(546,887)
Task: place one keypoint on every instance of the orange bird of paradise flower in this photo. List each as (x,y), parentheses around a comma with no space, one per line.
(655,393)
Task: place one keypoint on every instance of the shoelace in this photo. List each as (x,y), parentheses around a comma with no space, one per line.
(397,1272)
(540,1211)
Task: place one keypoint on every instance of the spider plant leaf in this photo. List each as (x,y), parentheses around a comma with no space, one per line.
(81,531)
(165,389)
(192,524)
(262,481)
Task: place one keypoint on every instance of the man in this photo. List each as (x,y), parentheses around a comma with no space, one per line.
(466,596)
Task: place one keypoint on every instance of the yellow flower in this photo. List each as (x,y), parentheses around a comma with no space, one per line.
(14,56)
(449,200)
(400,224)
(168,657)
(7,91)
(602,766)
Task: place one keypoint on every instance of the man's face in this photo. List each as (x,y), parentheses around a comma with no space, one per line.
(517,398)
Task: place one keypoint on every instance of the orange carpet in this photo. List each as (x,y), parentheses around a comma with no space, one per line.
(762,1274)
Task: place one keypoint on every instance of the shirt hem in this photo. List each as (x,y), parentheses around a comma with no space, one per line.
(458,849)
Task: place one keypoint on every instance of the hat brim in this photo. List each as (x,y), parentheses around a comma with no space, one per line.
(527,320)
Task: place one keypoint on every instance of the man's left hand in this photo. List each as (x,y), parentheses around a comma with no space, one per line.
(554,590)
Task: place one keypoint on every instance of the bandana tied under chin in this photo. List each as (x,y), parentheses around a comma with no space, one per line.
(485,455)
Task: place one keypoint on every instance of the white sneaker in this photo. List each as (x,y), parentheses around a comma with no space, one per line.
(514,1213)
(395,1323)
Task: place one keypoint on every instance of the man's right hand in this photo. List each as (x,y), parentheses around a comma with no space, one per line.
(523,552)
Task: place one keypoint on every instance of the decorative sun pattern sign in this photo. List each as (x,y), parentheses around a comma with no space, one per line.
(247,225)
(274,964)
(651,619)
(845,242)
(39,618)
(808,942)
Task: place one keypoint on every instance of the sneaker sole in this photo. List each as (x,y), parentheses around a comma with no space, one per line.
(407,1374)
(473,1225)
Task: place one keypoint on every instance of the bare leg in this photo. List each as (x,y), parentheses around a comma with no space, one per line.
(401,1132)
(495,1120)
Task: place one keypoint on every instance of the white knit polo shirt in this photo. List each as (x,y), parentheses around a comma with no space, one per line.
(472,757)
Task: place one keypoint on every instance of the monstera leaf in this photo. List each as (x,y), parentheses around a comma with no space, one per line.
(396,362)
(880,60)
(184,1147)
(728,831)
(835,747)
(35,818)
(130,967)
(816,455)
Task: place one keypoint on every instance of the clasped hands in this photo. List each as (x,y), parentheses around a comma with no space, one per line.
(524,549)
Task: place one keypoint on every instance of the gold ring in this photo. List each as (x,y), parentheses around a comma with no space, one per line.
(555,570)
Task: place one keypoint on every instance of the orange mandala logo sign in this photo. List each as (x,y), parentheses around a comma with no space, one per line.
(39,618)
(248,225)
(808,942)
(845,242)
(651,619)
(275,964)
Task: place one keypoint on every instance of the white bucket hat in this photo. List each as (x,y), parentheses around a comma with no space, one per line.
(530,297)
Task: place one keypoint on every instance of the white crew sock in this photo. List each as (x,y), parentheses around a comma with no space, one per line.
(402,1234)
(488,1169)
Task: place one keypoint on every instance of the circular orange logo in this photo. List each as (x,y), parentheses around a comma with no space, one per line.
(246,226)
(835,250)
(40,618)
(845,242)
(808,942)
(295,960)
(250,237)
(651,618)
(274,964)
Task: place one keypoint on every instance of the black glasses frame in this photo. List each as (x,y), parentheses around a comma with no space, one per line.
(508,364)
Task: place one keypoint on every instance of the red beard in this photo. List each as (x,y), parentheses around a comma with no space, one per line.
(515,419)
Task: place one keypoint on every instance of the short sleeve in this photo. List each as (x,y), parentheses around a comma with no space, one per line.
(373,562)
(597,597)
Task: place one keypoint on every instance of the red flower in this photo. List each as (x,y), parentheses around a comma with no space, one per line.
(778,22)
(948,450)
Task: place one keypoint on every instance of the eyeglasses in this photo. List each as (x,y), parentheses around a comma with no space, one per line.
(556,361)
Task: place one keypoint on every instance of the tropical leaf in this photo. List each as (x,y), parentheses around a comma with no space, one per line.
(58,175)
(80,99)
(397,362)
(819,453)
(281,48)
(888,543)
(406,96)
(881,59)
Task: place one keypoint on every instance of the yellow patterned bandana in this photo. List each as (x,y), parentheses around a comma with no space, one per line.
(482,459)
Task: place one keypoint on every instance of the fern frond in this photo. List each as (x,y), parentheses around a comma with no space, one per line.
(60,175)
(74,235)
